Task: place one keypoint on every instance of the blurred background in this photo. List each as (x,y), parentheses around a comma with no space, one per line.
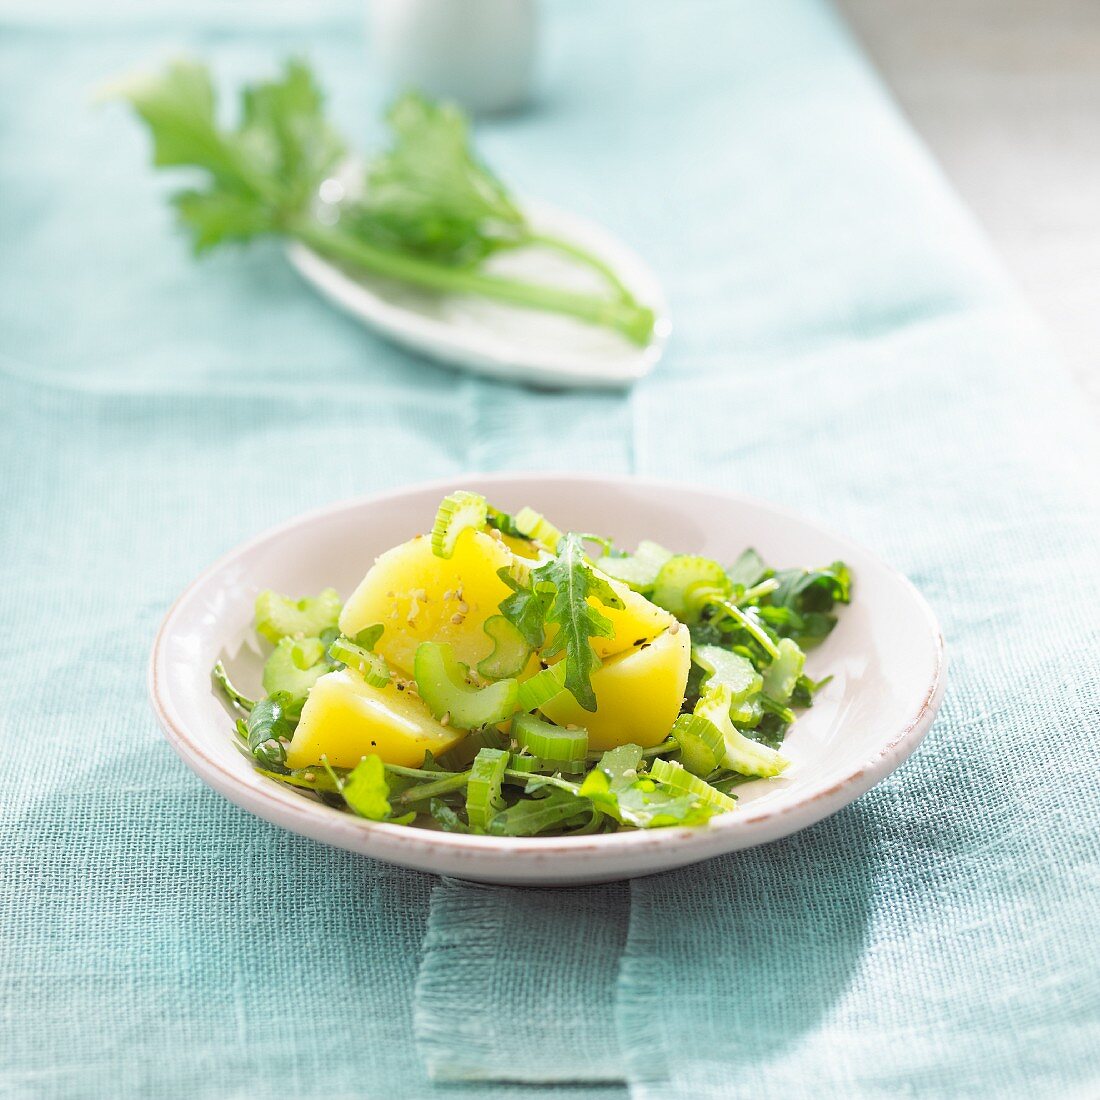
(1007,95)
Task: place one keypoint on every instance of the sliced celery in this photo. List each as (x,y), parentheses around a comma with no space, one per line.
(742,755)
(702,745)
(638,570)
(441,681)
(542,687)
(736,672)
(294,667)
(560,749)
(282,617)
(687,583)
(679,779)
(781,676)
(534,526)
(510,650)
(369,665)
(483,797)
(458,511)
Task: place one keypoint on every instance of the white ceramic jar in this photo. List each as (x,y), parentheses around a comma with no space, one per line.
(479,53)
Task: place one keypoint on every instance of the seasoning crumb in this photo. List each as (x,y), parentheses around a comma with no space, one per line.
(638,641)
(645,645)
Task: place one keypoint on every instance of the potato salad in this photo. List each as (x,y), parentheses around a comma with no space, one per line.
(501,676)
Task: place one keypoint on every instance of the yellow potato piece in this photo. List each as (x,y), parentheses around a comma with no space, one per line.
(638,621)
(638,695)
(345,719)
(418,598)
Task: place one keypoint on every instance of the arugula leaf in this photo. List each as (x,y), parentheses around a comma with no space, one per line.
(536,815)
(366,791)
(527,607)
(268,727)
(749,568)
(615,788)
(574,583)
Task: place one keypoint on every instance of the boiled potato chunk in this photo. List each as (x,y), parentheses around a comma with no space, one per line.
(418,598)
(638,695)
(638,620)
(345,719)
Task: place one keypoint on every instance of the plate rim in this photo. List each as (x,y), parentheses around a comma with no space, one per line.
(339,827)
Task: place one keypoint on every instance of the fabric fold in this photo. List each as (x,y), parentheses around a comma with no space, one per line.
(519,985)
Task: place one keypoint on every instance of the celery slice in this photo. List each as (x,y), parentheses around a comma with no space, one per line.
(679,779)
(737,673)
(742,754)
(533,525)
(639,570)
(510,650)
(542,687)
(560,749)
(687,583)
(483,797)
(781,676)
(441,681)
(294,667)
(279,617)
(369,665)
(702,745)
(458,511)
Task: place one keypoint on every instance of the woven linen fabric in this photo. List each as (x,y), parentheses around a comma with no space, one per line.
(843,345)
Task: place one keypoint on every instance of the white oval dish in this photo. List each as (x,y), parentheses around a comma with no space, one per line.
(886,657)
(490,338)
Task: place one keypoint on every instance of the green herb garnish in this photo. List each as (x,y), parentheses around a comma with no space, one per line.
(428,212)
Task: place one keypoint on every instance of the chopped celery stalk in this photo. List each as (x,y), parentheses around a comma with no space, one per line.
(782,674)
(294,667)
(537,527)
(523,763)
(736,672)
(221,678)
(702,745)
(280,617)
(483,797)
(687,583)
(679,779)
(441,681)
(561,749)
(742,755)
(510,650)
(638,570)
(458,511)
(542,687)
(369,665)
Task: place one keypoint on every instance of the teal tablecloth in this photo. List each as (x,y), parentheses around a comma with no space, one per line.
(844,345)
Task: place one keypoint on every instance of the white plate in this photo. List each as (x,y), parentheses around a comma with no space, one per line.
(490,338)
(886,657)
